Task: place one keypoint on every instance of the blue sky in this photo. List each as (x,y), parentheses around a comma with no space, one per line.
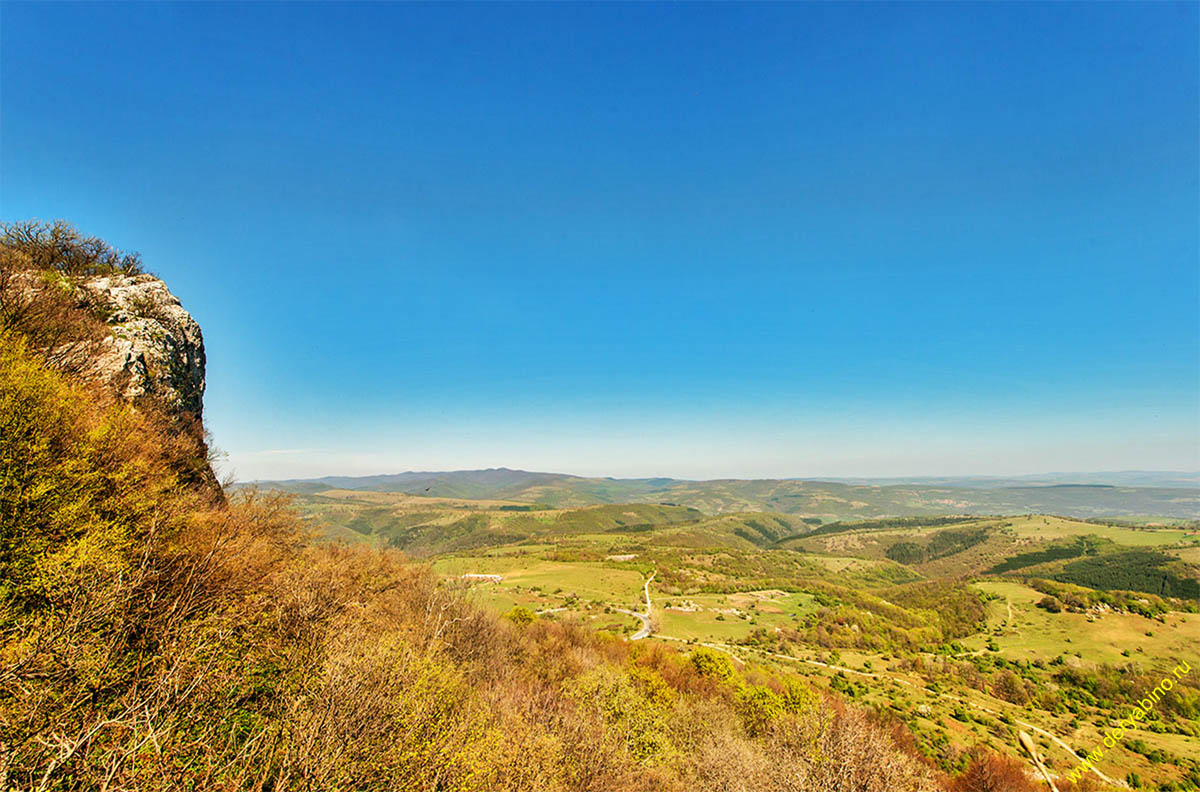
(690,240)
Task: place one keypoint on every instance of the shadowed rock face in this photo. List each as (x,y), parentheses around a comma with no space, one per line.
(155,350)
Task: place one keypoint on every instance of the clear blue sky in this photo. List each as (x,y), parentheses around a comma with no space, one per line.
(690,240)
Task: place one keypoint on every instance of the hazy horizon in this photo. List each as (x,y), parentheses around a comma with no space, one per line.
(1044,476)
(704,241)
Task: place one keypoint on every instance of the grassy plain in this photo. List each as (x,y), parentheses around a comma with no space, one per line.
(1032,633)
(550,583)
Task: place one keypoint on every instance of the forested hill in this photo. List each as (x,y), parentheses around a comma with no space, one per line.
(825,499)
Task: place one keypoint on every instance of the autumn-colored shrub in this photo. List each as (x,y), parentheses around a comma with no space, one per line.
(990,772)
(1010,687)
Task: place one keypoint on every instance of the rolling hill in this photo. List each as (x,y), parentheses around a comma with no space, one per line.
(827,500)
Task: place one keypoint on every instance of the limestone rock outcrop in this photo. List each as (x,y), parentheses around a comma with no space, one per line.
(155,349)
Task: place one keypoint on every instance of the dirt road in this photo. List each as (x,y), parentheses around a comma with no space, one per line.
(643,617)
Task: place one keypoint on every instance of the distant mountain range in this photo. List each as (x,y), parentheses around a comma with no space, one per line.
(1126,493)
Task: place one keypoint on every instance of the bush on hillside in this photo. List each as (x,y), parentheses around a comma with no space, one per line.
(711,663)
(1050,604)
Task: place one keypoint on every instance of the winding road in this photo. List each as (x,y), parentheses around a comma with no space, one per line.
(643,617)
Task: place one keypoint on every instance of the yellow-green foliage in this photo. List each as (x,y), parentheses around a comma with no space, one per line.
(759,705)
(711,663)
(83,481)
(520,615)
(652,686)
(640,717)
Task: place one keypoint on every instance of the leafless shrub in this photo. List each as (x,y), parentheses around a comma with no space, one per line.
(46,310)
(60,247)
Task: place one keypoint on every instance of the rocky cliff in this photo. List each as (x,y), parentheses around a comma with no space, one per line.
(155,349)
